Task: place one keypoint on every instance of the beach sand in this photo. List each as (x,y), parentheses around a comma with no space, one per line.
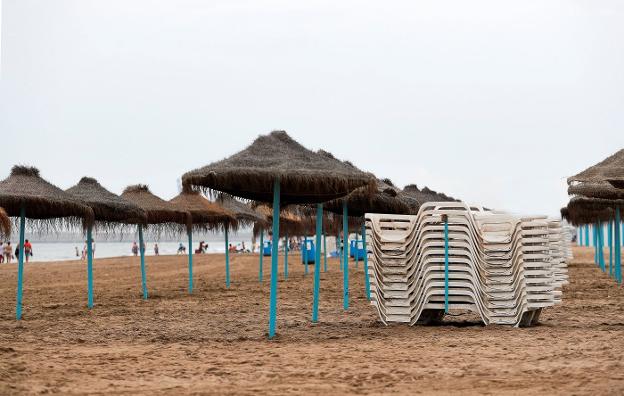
(215,340)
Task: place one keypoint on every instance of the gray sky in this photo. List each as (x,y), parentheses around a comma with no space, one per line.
(495,102)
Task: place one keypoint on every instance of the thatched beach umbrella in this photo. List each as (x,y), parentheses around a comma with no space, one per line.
(159,213)
(5,224)
(598,194)
(25,194)
(277,169)
(247,217)
(205,216)
(415,197)
(109,209)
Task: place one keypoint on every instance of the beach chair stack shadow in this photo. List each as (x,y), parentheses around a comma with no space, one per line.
(503,267)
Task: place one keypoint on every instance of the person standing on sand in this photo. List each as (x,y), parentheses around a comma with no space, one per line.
(8,252)
(1,253)
(156,249)
(135,248)
(27,250)
(77,252)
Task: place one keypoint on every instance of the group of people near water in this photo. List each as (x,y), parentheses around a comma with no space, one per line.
(7,254)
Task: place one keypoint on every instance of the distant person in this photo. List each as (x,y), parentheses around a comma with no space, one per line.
(1,253)
(135,248)
(84,251)
(8,252)
(28,252)
(156,249)
(77,252)
(181,249)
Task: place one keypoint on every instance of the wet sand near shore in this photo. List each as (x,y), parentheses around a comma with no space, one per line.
(214,341)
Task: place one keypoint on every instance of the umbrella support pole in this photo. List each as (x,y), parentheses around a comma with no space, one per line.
(286,247)
(142,251)
(610,236)
(190,262)
(20,264)
(305,253)
(357,251)
(366,280)
(274,251)
(317,262)
(227,259)
(345,257)
(90,267)
(260,271)
(618,243)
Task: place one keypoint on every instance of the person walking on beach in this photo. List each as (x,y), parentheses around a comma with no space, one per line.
(27,250)
(156,249)
(135,248)
(8,252)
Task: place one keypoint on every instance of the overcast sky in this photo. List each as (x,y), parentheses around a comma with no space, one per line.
(494,102)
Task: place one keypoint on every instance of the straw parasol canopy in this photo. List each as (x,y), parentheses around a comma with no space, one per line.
(43,201)
(598,189)
(107,207)
(305,176)
(609,170)
(205,215)
(5,224)
(158,211)
(386,199)
(289,222)
(414,197)
(245,215)
(586,210)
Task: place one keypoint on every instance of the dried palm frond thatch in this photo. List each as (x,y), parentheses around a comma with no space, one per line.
(305,176)
(205,215)
(586,210)
(289,222)
(108,208)
(5,224)
(243,212)
(610,170)
(45,204)
(158,211)
(600,189)
(387,199)
(415,197)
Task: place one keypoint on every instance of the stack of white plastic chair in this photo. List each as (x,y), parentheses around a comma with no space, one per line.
(503,267)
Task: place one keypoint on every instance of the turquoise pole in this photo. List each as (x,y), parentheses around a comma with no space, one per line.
(89,267)
(305,253)
(366,280)
(317,262)
(446,265)
(601,259)
(324,253)
(345,256)
(190,263)
(586,234)
(618,255)
(227,259)
(357,251)
(286,248)
(20,264)
(610,236)
(274,251)
(595,245)
(260,271)
(142,251)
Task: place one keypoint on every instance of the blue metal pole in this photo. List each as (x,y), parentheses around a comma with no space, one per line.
(610,236)
(446,265)
(618,255)
(274,251)
(142,251)
(324,253)
(20,264)
(305,253)
(586,234)
(366,280)
(227,259)
(345,256)
(260,271)
(286,248)
(595,245)
(190,263)
(89,267)
(357,251)
(317,262)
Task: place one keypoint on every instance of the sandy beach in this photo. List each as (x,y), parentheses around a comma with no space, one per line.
(215,340)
